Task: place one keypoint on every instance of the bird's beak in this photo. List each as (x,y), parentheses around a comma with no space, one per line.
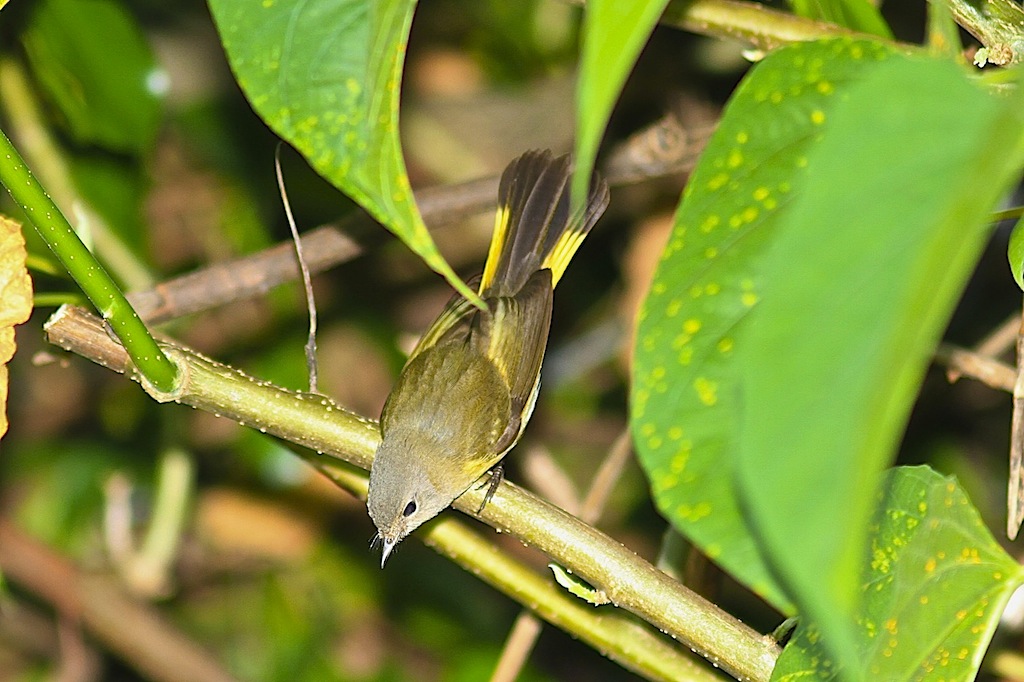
(386,546)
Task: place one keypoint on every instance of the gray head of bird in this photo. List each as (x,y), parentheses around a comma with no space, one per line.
(402,495)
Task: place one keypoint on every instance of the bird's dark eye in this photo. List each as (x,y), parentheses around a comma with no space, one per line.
(410,509)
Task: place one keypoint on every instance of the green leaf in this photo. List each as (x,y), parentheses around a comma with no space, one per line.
(930,594)
(614,32)
(860,281)
(93,63)
(858,15)
(1015,253)
(686,405)
(326,77)
(577,587)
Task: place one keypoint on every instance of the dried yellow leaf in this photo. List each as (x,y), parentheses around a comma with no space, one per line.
(15,300)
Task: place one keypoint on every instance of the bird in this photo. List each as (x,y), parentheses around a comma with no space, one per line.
(470,385)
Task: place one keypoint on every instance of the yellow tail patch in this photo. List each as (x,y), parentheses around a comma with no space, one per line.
(558,258)
(497,244)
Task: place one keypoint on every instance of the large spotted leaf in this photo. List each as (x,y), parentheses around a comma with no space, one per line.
(326,76)
(930,596)
(855,292)
(686,403)
(817,255)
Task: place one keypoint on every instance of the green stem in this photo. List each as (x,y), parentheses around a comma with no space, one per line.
(55,299)
(46,266)
(997,24)
(749,22)
(315,422)
(151,566)
(94,281)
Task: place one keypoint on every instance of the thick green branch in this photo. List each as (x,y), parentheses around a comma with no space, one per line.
(94,281)
(750,22)
(619,635)
(997,24)
(315,422)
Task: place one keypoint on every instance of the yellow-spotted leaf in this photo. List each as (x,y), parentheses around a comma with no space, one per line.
(932,587)
(854,294)
(686,405)
(326,76)
(15,300)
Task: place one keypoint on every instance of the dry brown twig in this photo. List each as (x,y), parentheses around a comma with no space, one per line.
(1015,490)
(981,364)
(965,362)
(668,147)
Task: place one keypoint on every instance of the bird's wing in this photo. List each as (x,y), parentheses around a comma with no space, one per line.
(513,335)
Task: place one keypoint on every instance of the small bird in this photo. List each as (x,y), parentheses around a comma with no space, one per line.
(469,387)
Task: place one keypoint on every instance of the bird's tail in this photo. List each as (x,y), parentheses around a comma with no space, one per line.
(534,229)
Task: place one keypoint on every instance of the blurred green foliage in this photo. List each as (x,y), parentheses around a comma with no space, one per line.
(275,574)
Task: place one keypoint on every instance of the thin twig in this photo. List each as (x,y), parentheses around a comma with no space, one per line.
(553,484)
(607,476)
(549,480)
(666,148)
(1000,340)
(964,362)
(79,661)
(242,278)
(1015,496)
(307,285)
(518,646)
